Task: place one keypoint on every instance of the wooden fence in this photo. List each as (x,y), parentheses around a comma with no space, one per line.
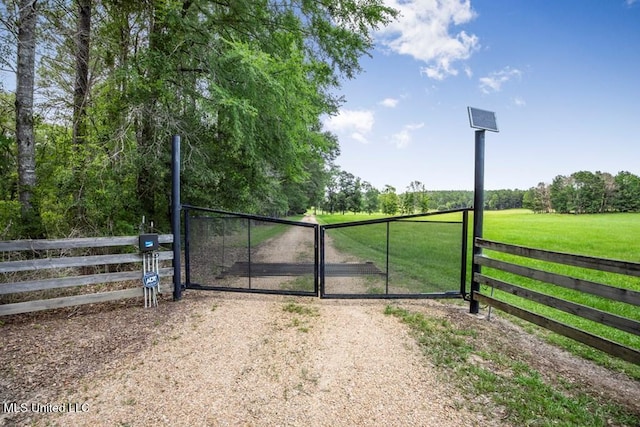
(60,259)
(601,290)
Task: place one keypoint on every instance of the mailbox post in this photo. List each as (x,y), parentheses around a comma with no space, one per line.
(148,244)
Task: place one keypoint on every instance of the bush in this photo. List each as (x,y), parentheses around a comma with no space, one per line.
(9,219)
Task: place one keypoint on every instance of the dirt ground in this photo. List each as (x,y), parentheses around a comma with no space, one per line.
(218,358)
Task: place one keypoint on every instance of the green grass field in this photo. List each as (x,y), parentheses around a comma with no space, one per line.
(614,236)
(424,255)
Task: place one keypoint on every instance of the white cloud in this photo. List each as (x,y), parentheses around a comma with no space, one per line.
(389,102)
(519,102)
(405,136)
(360,120)
(631,2)
(358,123)
(422,31)
(359,137)
(494,81)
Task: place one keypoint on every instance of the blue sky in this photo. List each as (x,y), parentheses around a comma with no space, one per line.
(563,77)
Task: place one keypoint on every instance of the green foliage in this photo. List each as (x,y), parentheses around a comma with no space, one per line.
(389,201)
(9,219)
(8,154)
(587,192)
(447,200)
(371,198)
(243,83)
(627,192)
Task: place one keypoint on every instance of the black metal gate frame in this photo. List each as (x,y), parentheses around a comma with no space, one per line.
(319,270)
(462,293)
(188,285)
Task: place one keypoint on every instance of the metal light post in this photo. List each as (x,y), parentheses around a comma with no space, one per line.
(481,120)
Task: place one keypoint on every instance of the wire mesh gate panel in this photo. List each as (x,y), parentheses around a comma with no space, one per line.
(250,253)
(413,256)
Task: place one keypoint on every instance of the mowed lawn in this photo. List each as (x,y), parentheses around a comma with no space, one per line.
(614,236)
(424,254)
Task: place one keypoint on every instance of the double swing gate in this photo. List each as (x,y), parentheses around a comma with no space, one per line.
(411,256)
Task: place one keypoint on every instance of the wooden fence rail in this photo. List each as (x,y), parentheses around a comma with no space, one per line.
(38,259)
(612,293)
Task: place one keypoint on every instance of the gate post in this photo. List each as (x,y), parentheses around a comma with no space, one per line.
(175,216)
(478,215)
(481,120)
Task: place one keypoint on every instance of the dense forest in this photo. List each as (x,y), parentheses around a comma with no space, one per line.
(100,87)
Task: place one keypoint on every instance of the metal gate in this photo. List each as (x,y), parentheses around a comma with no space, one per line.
(413,256)
(249,253)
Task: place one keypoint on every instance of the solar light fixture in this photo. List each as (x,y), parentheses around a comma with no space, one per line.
(482,119)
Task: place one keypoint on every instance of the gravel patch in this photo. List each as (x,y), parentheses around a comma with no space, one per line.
(248,361)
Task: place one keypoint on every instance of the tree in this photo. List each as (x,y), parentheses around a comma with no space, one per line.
(318,171)
(371,198)
(81,83)
(609,189)
(349,196)
(452,199)
(537,198)
(589,191)
(415,198)
(25,75)
(8,168)
(389,201)
(562,194)
(331,199)
(9,207)
(627,192)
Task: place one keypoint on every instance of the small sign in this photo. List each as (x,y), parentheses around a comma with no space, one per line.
(150,280)
(148,242)
(481,119)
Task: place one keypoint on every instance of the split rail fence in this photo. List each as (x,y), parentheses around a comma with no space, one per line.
(615,294)
(31,271)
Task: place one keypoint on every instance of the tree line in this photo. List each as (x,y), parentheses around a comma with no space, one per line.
(586,192)
(579,193)
(101,85)
(348,193)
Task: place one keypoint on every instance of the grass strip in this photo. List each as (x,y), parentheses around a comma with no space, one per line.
(515,390)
